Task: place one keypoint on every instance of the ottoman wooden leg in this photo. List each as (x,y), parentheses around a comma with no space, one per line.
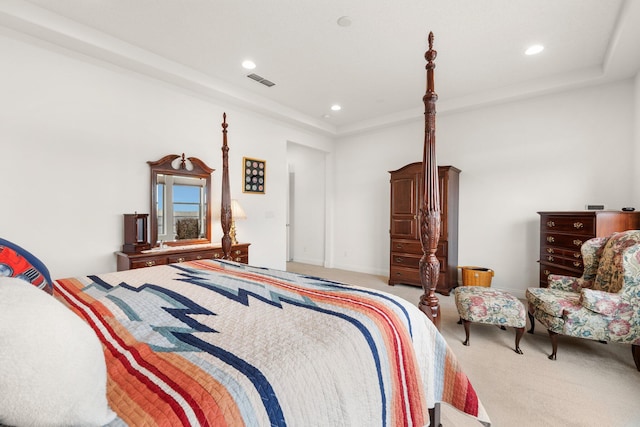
(466,331)
(519,332)
(554,344)
(532,321)
(635,350)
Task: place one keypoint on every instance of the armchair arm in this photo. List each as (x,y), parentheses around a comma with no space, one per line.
(601,302)
(566,283)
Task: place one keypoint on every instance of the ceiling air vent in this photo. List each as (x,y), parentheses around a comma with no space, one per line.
(261,79)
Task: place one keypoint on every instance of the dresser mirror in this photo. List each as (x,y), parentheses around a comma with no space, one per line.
(180,201)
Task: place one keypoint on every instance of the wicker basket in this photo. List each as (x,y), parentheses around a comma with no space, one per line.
(476,276)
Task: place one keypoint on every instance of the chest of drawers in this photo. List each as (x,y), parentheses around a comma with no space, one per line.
(127,261)
(563,233)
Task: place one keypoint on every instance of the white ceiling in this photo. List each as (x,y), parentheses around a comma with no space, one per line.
(373,68)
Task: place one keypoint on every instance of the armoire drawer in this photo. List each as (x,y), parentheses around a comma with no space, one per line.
(415,247)
(406,246)
(410,276)
(405,260)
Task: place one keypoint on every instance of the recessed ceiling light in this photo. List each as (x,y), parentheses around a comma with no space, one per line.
(534,49)
(326,116)
(344,21)
(248,64)
(336,107)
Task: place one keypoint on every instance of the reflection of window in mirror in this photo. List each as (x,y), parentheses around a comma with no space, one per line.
(181,207)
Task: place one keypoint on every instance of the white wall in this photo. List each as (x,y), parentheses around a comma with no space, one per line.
(76,134)
(308,219)
(555,152)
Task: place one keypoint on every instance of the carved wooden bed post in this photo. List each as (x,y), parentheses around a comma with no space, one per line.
(225,209)
(430,210)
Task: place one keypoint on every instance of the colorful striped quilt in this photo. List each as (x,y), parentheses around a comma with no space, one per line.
(216,343)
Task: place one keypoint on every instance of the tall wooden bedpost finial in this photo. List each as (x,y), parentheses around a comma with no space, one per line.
(429,216)
(225,209)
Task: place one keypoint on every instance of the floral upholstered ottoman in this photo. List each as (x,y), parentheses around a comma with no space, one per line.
(485,305)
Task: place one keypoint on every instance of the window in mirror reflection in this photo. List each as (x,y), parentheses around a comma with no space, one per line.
(182,207)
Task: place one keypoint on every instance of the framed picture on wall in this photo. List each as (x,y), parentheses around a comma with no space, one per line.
(255,175)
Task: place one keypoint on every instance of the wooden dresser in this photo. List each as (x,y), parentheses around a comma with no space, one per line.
(406,250)
(129,261)
(563,233)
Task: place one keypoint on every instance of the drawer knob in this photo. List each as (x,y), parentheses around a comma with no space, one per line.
(150,263)
(550,250)
(199,257)
(577,264)
(238,252)
(180,259)
(551,224)
(551,239)
(547,272)
(238,259)
(550,258)
(216,255)
(576,255)
(577,242)
(399,246)
(578,225)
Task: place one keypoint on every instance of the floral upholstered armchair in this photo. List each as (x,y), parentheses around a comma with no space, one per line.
(603,304)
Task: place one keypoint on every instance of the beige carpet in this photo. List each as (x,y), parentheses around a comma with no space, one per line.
(591,384)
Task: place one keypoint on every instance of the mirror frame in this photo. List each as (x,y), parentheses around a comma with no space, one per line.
(164,166)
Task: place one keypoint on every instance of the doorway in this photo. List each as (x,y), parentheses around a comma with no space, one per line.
(306,204)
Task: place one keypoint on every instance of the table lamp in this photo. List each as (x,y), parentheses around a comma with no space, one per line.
(236,213)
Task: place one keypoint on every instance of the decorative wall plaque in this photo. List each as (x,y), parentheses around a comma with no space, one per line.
(255,174)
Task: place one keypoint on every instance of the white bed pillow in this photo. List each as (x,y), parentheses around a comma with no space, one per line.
(52,368)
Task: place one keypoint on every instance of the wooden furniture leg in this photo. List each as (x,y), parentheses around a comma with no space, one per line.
(532,320)
(519,333)
(635,350)
(466,324)
(554,344)
(434,416)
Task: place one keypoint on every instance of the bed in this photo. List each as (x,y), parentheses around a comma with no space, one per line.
(219,343)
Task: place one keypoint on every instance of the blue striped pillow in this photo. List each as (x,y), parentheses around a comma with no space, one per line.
(18,262)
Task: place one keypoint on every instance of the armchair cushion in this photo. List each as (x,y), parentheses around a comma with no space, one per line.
(566,283)
(610,274)
(601,302)
(553,302)
(591,251)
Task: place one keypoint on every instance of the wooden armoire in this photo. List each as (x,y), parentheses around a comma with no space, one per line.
(406,249)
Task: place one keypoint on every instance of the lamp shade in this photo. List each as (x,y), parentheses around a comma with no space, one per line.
(236,210)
